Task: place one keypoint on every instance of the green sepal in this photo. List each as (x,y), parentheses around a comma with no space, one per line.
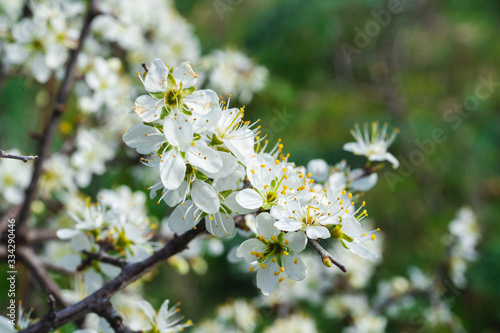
(347,238)
(343,244)
(225,211)
(184,110)
(199,175)
(226,193)
(170,81)
(215,141)
(188,91)
(164,112)
(220,148)
(158,95)
(183,154)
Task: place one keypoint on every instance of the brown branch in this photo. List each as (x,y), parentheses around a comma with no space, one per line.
(325,256)
(17,157)
(37,269)
(60,106)
(131,273)
(102,257)
(113,318)
(40,235)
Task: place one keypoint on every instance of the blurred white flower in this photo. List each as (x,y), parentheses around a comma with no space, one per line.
(374,147)
(15,176)
(231,72)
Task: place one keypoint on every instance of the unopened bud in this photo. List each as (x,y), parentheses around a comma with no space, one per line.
(327,261)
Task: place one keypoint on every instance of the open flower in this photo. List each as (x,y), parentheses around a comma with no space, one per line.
(374,148)
(275,252)
(271,180)
(311,212)
(173,89)
(165,320)
(351,235)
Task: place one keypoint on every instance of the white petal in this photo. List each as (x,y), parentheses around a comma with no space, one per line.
(358,248)
(234,206)
(242,148)
(93,280)
(71,262)
(205,197)
(148,108)
(5,325)
(249,199)
(172,169)
(184,74)
(295,271)
(207,121)
(201,102)
(364,183)
(350,226)
(180,222)
(265,225)
(296,241)
(67,233)
(248,246)
(315,232)
(143,138)
(174,197)
(40,70)
(204,157)
(221,225)
(156,79)
(266,280)
(354,147)
(148,310)
(109,270)
(229,164)
(178,132)
(288,225)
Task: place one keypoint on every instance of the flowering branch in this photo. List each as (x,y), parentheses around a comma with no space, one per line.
(327,258)
(60,106)
(129,274)
(17,157)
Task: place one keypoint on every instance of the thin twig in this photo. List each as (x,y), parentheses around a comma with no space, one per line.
(102,257)
(325,255)
(60,106)
(129,274)
(25,159)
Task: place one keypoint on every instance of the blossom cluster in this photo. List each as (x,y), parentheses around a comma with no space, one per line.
(213,165)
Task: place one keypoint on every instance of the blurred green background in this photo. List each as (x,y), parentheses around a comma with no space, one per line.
(427,59)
